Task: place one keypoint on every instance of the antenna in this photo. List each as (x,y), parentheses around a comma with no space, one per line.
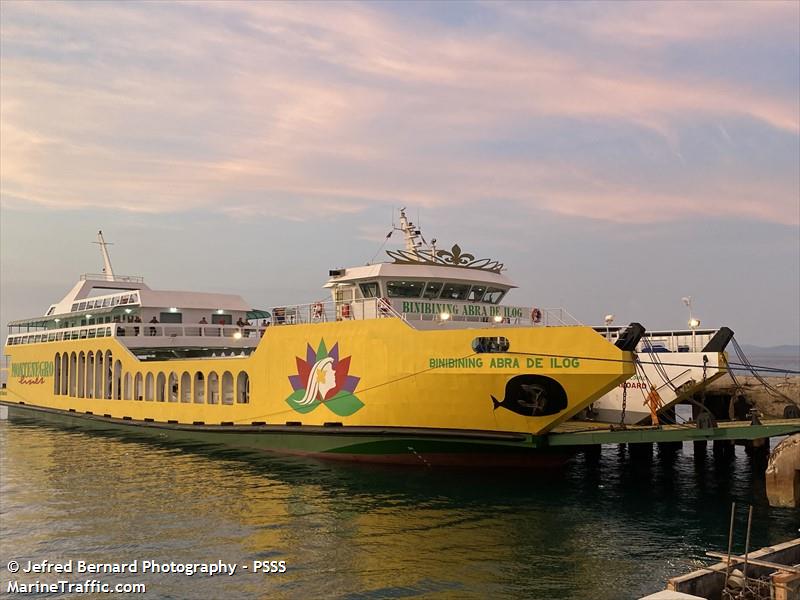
(107,270)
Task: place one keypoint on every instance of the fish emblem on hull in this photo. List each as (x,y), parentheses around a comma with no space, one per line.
(532,396)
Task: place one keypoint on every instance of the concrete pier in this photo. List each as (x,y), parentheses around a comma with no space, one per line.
(783,474)
(755,395)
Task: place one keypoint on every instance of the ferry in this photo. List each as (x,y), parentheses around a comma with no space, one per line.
(672,366)
(415,360)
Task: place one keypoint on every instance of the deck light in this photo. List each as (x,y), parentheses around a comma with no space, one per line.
(498,319)
(693,323)
(88,316)
(609,318)
(237,335)
(173,309)
(220,311)
(57,320)
(128,311)
(444,316)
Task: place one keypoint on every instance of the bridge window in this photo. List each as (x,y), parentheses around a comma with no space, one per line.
(493,295)
(476,293)
(490,344)
(432,290)
(370,289)
(455,291)
(404,289)
(170,317)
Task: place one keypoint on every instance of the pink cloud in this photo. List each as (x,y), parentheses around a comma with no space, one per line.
(338,106)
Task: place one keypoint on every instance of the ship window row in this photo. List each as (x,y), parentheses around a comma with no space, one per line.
(58,336)
(105,301)
(97,375)
(436,290)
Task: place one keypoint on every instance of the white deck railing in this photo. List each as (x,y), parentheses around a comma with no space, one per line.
(329,310)
(380,308)
(314,312)
(139,331)
(104,277)
(679,340)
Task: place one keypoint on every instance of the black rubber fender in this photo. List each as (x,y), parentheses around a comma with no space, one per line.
(791,411)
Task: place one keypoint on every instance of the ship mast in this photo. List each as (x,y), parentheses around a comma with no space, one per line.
(411,235)
(107,270)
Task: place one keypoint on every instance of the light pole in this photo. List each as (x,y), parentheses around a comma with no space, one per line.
(693,322)
(609,320)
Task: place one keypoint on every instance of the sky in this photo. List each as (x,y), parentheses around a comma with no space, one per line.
(616,156)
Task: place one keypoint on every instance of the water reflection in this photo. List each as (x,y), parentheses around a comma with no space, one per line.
(612,527)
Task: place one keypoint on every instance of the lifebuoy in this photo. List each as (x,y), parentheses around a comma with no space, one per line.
(536,315)
(345,311)
(317,310)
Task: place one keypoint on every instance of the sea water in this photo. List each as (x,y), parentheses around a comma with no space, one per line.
(614,528)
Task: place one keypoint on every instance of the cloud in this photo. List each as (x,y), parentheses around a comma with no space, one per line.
(301,110)
(649,24)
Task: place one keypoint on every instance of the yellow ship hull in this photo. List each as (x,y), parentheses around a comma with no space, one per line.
(316,388)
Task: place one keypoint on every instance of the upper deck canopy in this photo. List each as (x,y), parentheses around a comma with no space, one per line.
(419,271)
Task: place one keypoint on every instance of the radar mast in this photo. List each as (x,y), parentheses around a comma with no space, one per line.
(413,236)
(107,270)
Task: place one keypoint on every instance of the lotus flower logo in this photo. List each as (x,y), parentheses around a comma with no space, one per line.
(324,378)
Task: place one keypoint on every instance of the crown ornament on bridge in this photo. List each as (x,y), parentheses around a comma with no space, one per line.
(452,258)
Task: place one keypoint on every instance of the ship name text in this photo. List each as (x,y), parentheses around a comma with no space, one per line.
(469,310)
(32,373)
(505,362)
